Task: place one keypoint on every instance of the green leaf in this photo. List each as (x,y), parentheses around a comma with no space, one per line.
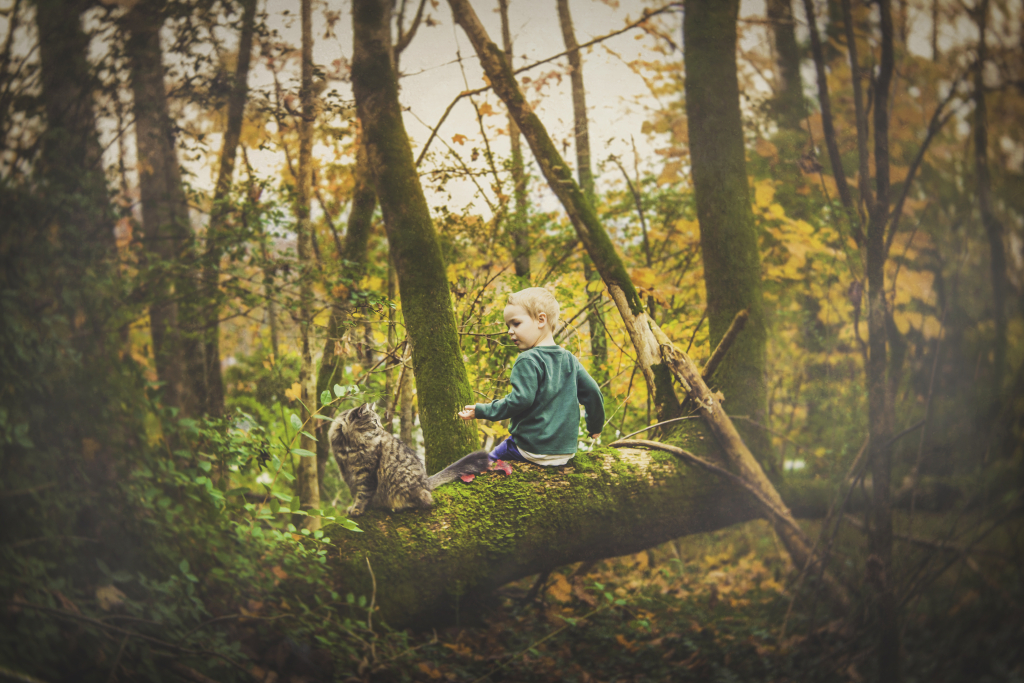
(205,465)
(296,422)
(323,417)
(283,497)
(318,534)
(305,433)
(325,397)
(349,524)
(305,532)
(183,566)
(338,391)
(275,505)
(303,452)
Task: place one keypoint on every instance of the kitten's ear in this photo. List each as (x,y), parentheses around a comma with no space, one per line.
(372,406)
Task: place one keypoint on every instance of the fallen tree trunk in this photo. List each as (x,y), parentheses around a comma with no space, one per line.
(431,567)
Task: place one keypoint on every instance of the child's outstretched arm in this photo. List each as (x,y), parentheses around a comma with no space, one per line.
(590,397)
(468,413)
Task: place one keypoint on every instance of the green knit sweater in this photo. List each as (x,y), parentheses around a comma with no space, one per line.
(548,387)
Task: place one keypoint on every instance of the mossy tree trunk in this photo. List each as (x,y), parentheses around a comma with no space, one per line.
(728,235)
(307,479)
(441,381)
(580,211)
(433,566)
(219,214)
(169,241)
(497,529)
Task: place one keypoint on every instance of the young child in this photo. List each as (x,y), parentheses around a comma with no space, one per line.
(548,386)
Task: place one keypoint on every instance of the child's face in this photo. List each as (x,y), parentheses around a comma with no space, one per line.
(526,332)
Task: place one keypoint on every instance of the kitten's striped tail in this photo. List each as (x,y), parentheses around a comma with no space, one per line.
(474,463)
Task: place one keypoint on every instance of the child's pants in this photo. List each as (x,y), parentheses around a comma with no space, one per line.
(506,450)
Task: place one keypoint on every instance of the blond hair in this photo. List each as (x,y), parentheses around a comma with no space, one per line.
(537,300)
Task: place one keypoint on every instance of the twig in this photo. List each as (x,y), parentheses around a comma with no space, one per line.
(690,458)
(723,346)
(18,676)
(115,629)
(117,660)
(696,329)
(675,419)
(25,492)
(468,93)
(545,638)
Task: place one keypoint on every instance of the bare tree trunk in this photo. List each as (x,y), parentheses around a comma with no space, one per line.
(219,213)
(441,381)
(827,125)
(308,486)
(520,230)
(983,182)
(165,219)
(863,159)
(728,236)
(585,174)
(357,239)
(880,399)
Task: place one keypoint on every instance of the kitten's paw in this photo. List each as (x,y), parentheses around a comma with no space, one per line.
(354,510)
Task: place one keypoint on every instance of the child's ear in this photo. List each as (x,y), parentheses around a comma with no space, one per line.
(542,319)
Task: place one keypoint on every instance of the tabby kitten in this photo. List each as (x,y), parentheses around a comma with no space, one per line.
(383,472)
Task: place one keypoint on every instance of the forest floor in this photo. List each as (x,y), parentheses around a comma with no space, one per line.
(717,607)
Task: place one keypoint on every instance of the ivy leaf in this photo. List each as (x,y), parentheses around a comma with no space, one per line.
(501,466)
(338,390)
(296,422)
(459,139)
(325,397)
(467,477)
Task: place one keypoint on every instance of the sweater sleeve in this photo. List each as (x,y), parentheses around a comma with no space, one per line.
(591,399)
(525,380)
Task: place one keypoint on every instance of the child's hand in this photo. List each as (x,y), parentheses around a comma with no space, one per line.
(594,436)
(469,413)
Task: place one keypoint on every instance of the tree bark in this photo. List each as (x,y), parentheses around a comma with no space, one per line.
(585,174)
(437,565)
(880,398)
(165,219)
(728,236)
(789,107)
(441,381)
(827,124)
(307,480)
(983,183)
(863,160)
(221,208)
(589,229)
(520,229)
(354,250)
